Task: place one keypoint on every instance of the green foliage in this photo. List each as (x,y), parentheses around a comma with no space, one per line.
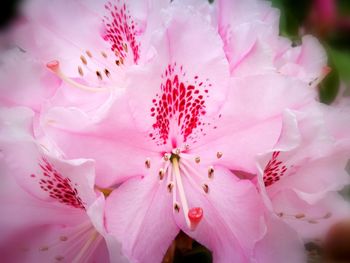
(293,13)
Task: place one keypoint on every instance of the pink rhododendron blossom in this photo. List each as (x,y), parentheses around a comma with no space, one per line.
(50,208)
(198,118)
(298,172)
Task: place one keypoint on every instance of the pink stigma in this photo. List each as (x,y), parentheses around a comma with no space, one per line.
(195,215)
(53,65)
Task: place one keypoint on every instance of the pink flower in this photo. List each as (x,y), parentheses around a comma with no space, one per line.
(50,211)
(175,136)
(300,175)
(174,102)
(250,31)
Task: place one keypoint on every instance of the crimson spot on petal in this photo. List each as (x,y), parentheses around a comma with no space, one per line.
(57,186)
(121,31)
(274,170)
(179,107)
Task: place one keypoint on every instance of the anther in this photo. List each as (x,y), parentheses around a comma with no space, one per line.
(195,215)
(197,159)
(313,221)
(210,172)
(88,53)
(177,207)
(117,62)
(219,155)
(187,147)
(170,187)
(177,151)
(166,157)
(148,163)
(80,70)
(328,215)
(103,54)
(83,59)
(125,46)
(205,188)
(299,216)
(121,60)
(281,214)
(161,173)
(98,74)
(59,258)
(107,73)
(44,248)
(63,238)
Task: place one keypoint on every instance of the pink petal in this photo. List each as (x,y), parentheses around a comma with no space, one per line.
(279,244)
(232,216)
(140,213)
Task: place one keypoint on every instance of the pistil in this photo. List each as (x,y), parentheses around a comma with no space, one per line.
(194,215)
(54,66)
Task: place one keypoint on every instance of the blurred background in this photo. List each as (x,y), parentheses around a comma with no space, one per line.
(329,21)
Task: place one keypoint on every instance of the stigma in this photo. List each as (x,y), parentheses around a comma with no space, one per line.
(54,66)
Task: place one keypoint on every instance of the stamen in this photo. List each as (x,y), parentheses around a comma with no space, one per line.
(80,70)
(63,238)
(161,173)
(210,172)
(299,216)
(83,59)
(328,215)
(44,248)
(88,53)
(176,207)
(98,74)
(148,163)
(86,247)
(181,190)
(219,155)
(166,157)
(177,151)
(205,188)
(125,46)
(117,62)
(170,186)
(59,258)
(54,66)
(197,159)
(107,73)
(103,54)
(194,215)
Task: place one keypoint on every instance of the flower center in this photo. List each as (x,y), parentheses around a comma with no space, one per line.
(178,165)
